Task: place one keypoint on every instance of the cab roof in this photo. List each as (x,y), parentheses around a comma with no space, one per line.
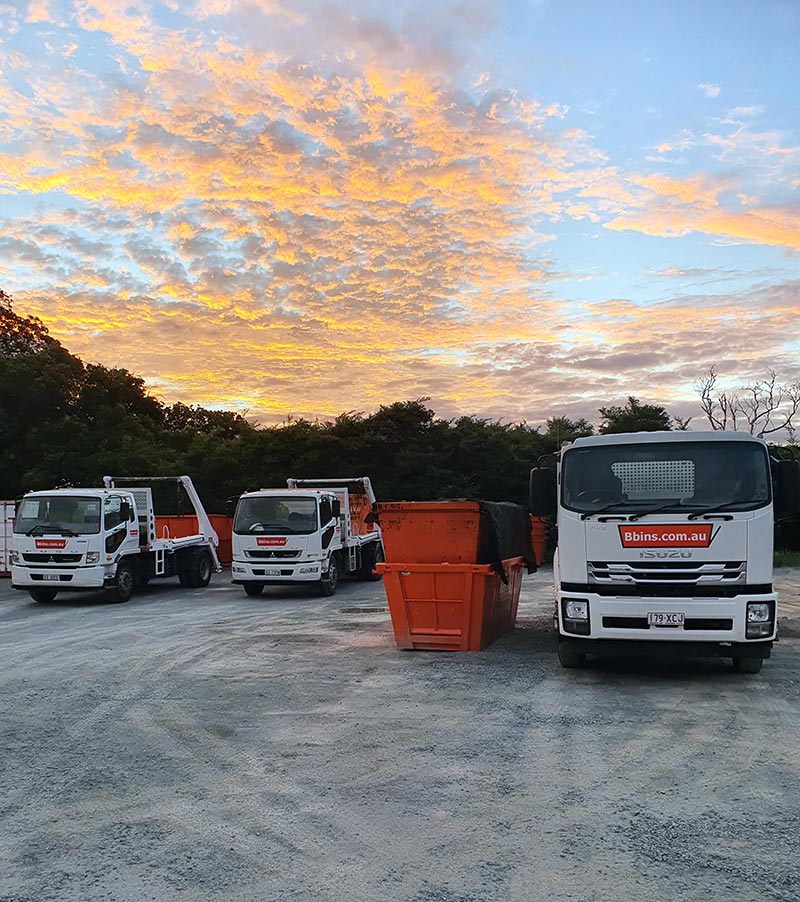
(92,492)
(677,436)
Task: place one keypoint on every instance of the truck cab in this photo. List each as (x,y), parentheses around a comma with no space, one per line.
(313,531)
(70,539)
(665,538)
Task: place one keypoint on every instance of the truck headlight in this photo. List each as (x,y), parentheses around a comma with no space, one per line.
(576,609)
(758,613)
(760,619)
(92,557)
(14,557)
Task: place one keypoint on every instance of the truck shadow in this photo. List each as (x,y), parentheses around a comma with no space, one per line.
(538,639)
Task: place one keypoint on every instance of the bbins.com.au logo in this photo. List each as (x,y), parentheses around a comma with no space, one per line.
(668,536)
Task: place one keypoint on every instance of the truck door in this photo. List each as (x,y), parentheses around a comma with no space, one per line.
(116,513)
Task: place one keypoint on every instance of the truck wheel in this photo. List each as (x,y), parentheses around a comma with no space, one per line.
(329,581)
(570,654)
(43,595)
(253,589)
(747,665)
(201,570)
(122,589)
(373,556)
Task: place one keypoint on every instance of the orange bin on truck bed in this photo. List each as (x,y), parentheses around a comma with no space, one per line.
(176,527)
(451,607)
(431,532)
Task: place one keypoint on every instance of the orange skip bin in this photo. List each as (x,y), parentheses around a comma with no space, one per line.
(431,532)
(450,607)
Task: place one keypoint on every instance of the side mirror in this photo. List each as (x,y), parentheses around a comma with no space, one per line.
(787,486)
(125,511)
(337,508)
(230,506)
(542,492)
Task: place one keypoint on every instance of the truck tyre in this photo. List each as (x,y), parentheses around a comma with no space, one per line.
(183,564)
(570,654)
(372,554)
(43,595)
(253,589)
(201,569)
(124,580)
(142,575)
(329,581)
(747,665)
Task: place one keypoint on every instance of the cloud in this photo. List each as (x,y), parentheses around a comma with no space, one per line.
(304,210)
(709,90)
(39,11)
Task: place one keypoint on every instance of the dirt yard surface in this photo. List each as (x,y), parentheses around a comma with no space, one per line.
(203,745)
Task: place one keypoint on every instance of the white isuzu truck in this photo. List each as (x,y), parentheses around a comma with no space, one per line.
(313,531)
(665,537)
(78,540)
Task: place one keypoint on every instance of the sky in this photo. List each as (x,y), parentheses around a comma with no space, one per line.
(517,209)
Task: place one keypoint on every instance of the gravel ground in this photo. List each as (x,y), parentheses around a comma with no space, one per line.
(202,745)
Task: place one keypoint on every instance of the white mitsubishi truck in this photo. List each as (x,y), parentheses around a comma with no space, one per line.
(79,540)
(313,531)
(664,537)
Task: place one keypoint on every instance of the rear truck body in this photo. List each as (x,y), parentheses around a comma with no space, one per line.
(312,532)
(104,539)
(665,545)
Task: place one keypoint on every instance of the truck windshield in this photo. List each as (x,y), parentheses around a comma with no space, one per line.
(673,476)
(277,515)
(63,514)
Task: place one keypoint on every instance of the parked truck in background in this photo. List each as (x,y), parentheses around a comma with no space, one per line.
(314,531)
(665,537)
(83,539)
(6,526)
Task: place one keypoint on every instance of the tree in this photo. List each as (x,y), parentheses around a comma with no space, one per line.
(21,334)
(760,408)
(563,429)
(634,417)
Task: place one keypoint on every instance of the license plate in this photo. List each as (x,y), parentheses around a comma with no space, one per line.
(272,573)
(662,618)
(51,577)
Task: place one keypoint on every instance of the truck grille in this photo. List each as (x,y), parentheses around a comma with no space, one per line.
(272,553)
(668,579)
(686,573)
(52,558)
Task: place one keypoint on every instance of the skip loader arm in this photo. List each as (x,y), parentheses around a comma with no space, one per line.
(204,524)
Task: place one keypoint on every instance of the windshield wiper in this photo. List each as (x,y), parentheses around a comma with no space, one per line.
(47,527)
(717,508)
(633,509)
(614,506)
(672,507)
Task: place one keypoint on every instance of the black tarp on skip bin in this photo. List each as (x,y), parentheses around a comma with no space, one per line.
(505,533)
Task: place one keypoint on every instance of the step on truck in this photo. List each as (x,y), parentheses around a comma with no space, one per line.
(105,539)
(665,538)
(313,531)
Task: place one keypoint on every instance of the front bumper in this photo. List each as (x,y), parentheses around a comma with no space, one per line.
(276,572)
(77,579)
(708,620)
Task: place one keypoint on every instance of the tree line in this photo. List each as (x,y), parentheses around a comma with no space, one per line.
(63,421)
